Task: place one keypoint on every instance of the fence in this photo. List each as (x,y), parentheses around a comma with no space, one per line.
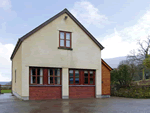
(5,89)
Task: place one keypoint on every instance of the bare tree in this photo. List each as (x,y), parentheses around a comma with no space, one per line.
(142,53)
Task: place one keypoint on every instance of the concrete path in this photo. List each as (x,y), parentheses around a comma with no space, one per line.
(7,97)
(107,105)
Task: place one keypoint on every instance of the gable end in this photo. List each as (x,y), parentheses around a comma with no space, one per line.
(47,22)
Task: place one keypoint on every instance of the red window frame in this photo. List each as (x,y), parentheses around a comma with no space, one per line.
(89,77)
(45,76)
(74,77)
(65,39)
(36,75)
(54,76)
(82,77)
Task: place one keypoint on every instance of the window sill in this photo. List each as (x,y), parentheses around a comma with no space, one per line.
(45,85)
(65,48)
(82,85)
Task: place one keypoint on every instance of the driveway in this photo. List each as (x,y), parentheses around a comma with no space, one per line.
(107,105)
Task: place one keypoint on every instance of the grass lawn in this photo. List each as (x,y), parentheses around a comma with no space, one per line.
(5,91)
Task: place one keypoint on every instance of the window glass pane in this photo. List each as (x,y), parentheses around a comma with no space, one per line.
(77,80)
(71,80)
(85,80)
(48,80)
(38,79)
(57,72)
(76,73)
(91,80)
(33,71)
(41,80)
(57,80)
(39,71)
(33,79)
(61,35)
(71,73)
(51,80)
(61,42)
(68,36)
(91,73)
(50,72)
(85,73)
(67,43)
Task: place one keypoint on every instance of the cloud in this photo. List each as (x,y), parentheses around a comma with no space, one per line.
(5,4)
(5,63)
(87,14)
(115,46)
(6,14)
(120,43)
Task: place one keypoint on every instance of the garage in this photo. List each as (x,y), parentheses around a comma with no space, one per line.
(45,83)
(81,83)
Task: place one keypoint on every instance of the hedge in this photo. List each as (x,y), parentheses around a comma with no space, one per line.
(132,92)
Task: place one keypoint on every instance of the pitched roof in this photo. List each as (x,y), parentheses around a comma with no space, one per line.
(106,65)
(47,22)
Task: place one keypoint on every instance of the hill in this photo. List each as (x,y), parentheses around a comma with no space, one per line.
(114,62)
(3,83)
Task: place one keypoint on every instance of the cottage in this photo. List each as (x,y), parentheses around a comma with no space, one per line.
(59,59)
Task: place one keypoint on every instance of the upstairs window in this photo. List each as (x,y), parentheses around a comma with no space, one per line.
(65,39)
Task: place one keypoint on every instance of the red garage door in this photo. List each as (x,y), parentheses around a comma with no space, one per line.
(81,83)
(45,83)
(82,92)
(43,93)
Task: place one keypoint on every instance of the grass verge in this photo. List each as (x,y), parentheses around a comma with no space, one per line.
(5,91)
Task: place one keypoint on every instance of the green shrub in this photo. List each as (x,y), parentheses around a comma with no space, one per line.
(132,92)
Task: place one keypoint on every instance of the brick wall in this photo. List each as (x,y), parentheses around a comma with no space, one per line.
(106,80)
(81,92)
(43,92)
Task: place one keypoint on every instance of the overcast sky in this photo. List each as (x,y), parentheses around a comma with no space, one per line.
(116,24)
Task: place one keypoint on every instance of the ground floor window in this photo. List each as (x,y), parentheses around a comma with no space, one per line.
(36,76)
(45,76)
(81,77)
(53,76)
